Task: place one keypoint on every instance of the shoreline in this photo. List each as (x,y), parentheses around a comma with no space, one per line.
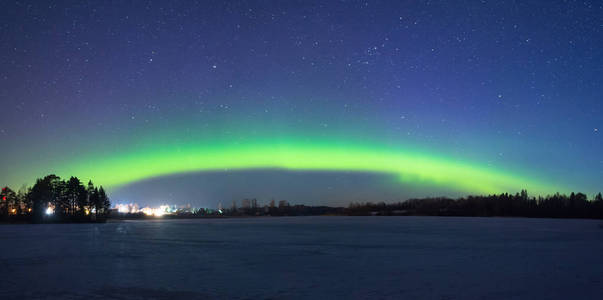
(164,218)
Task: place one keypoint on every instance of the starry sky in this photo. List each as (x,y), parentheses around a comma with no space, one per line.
(313,102)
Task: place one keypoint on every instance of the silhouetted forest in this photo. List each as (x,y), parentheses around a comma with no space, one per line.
(52,199)
(250,207)
(576,205)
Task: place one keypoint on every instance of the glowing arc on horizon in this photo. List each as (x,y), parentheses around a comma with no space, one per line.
(415,168)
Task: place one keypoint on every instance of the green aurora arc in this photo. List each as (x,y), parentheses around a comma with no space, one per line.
(412,167)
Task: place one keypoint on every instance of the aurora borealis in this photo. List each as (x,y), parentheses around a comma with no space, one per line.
(435,97)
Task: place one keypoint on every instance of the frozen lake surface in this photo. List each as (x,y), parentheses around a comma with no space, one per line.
(305,257)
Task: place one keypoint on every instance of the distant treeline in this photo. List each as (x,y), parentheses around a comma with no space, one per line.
(250,207)
(51,199)
(576,205)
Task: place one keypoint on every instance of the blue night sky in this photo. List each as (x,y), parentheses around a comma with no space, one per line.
(155,100)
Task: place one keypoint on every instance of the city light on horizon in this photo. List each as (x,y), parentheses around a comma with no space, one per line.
(133,208)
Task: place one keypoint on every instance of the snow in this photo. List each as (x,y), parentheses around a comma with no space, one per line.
(305,257)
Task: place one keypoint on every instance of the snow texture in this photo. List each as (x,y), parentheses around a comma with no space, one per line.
(305,257)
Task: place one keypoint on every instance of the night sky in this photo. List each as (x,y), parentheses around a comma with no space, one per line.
(317,103)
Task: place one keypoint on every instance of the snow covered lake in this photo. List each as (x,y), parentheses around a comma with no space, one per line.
(305,257)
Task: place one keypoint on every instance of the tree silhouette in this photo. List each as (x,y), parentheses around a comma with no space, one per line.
(41,195)
(8,199)
(23,203)
(576,205)
(94,201)
(70,201)
(103,201)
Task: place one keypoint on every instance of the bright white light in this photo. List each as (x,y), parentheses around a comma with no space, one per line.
(157,212)
(49,211)
(123,208)
(151,211)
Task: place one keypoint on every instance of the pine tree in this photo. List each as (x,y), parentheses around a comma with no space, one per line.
(73,193)
(95,201)
(41,195)
(103,201)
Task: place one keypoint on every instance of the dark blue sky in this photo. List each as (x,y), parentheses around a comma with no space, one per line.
(496,84)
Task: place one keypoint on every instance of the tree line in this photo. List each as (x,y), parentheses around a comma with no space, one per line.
(576,205)
(52,199)
(250,207)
